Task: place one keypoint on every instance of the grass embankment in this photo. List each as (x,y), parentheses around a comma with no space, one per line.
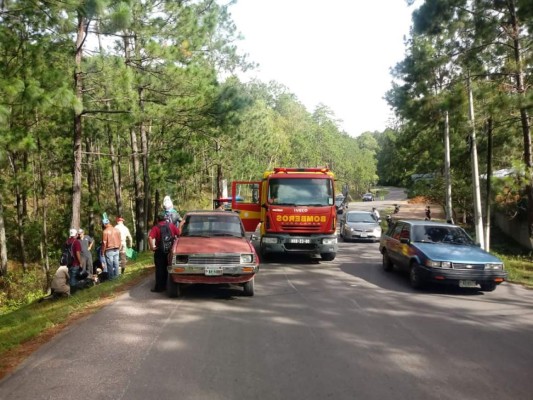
(22,330)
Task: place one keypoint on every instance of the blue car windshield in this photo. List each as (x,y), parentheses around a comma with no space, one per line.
(441,234)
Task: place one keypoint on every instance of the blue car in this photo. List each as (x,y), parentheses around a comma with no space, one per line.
(434,252)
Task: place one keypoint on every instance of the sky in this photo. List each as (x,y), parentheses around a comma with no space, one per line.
(333,52)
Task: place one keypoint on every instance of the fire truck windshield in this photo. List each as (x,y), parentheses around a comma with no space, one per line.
(301,191)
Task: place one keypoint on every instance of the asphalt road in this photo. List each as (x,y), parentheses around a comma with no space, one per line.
(335,330)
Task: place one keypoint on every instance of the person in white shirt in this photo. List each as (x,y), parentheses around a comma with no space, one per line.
(125,235)
(376,213)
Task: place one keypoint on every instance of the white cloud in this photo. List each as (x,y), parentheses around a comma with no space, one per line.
(336,52)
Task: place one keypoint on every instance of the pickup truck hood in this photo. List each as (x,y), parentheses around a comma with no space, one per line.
(218,244)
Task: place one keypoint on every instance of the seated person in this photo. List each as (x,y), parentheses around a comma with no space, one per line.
(60,282)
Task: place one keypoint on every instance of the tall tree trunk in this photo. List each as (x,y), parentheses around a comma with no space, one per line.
(139,201)
(447,166)
(478,217)
(3,243)
(114,171)
(144,131)
(77,141)
(43,212)
(140,226)
(488,183)
(91,186)
(524,117)
(13,159)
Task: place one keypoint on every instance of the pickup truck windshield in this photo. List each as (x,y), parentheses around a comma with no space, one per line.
(301,191)
(207,226)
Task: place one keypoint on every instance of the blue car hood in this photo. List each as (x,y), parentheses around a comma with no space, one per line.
(456,253)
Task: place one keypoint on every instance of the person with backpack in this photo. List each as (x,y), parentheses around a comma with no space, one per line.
(71,256)
(160,240)
(171,214)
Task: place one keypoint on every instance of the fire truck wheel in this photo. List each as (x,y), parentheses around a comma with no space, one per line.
(328,256)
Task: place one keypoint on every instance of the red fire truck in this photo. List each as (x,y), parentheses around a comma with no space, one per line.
(294,210)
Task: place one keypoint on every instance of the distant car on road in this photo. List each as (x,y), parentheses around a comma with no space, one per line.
(368,197)
(435,252)
(359,225)
(212,249)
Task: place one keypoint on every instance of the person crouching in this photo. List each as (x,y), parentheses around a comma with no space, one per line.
(60,282)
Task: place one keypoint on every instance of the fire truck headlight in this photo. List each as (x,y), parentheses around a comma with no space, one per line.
(329,241)
(270,240)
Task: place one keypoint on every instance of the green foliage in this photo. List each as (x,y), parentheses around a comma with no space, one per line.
(19,289)
(156,81)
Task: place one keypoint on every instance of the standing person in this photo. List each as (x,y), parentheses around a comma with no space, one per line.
(376,214)
(75,249)
(160,257)
(111,244)
(125,235)
(428,214)
(171,214)
(87,244)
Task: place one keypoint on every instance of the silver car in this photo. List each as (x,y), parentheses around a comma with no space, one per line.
(360,225)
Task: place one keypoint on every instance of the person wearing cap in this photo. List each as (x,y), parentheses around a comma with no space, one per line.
(75,246)
(87,244)
(160,258)
(171,214)
(111,245)
(125,236)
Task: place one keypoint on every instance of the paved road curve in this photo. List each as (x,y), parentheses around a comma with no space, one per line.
(338,330)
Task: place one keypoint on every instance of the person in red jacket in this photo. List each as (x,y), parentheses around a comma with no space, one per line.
(75,246)
(160,257)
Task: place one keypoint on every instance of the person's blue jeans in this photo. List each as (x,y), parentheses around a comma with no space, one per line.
(112,262)
(73,272)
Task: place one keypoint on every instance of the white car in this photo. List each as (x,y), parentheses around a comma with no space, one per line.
(360,225)
(368,197)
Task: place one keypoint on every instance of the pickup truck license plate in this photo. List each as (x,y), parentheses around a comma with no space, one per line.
(471,284)
(213,271)
(300,240)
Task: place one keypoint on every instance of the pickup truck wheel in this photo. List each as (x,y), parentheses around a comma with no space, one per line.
(488,287)
(388,266)
(249,287)
(328,256)
(173,288)
(417,282)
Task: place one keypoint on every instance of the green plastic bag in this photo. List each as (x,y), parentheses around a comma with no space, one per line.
(131,253)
